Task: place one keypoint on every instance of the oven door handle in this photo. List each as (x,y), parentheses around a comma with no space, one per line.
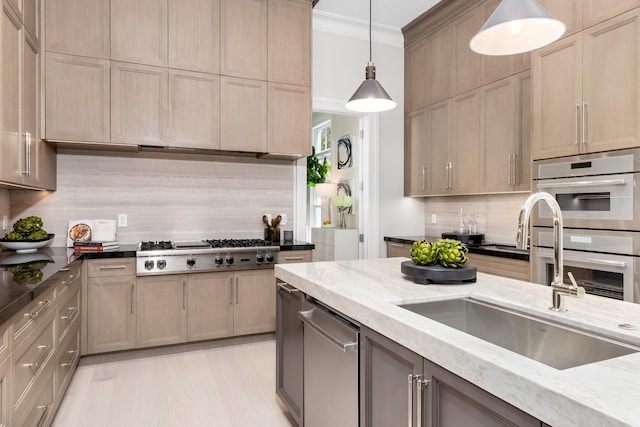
(602,262)
(596,183)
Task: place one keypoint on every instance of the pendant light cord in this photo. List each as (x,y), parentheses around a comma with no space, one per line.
(370,56)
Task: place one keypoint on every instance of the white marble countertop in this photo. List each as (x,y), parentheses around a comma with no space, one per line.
(600,394)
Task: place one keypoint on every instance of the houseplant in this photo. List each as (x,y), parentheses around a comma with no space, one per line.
(316,171)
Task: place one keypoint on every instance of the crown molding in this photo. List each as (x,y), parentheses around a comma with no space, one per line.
(356,28)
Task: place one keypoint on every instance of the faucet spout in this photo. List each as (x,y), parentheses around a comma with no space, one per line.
(557,284)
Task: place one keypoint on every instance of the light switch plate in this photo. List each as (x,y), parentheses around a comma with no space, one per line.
(434,218)
(122,220)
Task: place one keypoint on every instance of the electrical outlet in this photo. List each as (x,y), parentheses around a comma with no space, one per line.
(122,220)
(434,219)
(284,219)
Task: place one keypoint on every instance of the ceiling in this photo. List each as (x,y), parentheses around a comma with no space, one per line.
(392,13)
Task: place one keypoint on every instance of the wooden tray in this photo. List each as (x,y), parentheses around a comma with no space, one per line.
(426,274)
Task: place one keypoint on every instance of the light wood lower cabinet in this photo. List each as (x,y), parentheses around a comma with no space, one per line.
(499,266)
(395,249)
(210,313)
(5,405)
(289,257)
(254,302)
(400,388)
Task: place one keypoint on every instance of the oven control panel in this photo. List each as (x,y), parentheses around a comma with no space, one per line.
(219,261)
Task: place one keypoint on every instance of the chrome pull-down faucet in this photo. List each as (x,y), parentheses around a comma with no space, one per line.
(558,287)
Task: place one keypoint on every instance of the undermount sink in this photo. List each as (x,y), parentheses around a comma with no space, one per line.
(553,344)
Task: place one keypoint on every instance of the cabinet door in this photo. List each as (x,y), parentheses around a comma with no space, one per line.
(31,18)
(30,108)
(290,350)
(254,302)
(243,38)
(438,140)
(11,160)
(5,404)
(595,11)
(387,388)
(289,124)
(111,323)
(78,27)
(210,306)
(161,303)
(557,98)
(289,42)
(498,126)
(194,35)
(415,153)
(398,249)
(464,150)
(523,148)
(139,31)
(194,110)
(78,98)
(243,115)
(499,66)
(611,89)
(139,104)
(468,64)
(567,11)
(416,79)
(450,401)
(440,65)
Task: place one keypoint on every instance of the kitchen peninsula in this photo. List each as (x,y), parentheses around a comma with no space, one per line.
(603,393)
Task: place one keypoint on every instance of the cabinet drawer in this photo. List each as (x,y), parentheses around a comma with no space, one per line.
(39,409)
(68,355)
(30,359)
(28,319)
(4,342)
(69,280)
(111,267)
(68,313)
(288,257)
(398,249)
(505,267)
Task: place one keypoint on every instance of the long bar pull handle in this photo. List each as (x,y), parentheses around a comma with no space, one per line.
(287,288)
(584,123)
(113,267)
(590,183)
(420,384)
(44,415)
(72,313)
(307,318)
(230,290)
(133,295)
(294,258)
(38,363)
(237,296)
(184,294)
(424,181)
(601,262)
(43,305)
(577,124)
(410,379)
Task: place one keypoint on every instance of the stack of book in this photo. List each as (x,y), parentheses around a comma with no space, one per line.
(90,246)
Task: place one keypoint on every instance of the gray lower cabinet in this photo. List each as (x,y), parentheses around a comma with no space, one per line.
(401,388)
(290,350)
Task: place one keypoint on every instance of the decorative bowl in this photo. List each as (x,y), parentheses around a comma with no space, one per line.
(26,246)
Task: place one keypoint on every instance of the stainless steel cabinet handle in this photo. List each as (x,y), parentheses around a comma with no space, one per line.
(577,125)
(237,296)
(420,383)
(73,311)
(72,279)
(287,288)
(424,181)
(27,154)
(601,262)
(45,414)
(70,362)
(113,267)
(397,245)
(230,290)
(510,169)
(515,169)
(132,297)
(184,294)
(38,363)
(294,258)
(410,378)
(307,318)
(584,123)
(43,305)
(594,183)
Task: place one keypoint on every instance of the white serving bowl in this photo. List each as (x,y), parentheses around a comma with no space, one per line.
(23,247)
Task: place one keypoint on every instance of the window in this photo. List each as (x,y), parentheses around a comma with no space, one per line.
(322,143)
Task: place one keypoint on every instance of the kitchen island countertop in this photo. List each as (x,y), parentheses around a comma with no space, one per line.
(605,393)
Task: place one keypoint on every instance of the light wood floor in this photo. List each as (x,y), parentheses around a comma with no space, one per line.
(215,384)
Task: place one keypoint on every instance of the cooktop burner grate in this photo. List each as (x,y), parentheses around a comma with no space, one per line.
(156,246)
(238,243)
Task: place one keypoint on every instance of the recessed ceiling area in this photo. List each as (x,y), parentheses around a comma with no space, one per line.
(393,13)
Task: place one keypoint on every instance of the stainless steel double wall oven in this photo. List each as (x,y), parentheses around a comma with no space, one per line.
(600,198)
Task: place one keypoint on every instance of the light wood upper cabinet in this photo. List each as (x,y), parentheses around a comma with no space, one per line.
(194,35)
(289,119)
(468,64)
(243,119)
(567,11)
(586,94)
(254,302)
(438,141)
(289,42)
(440,65)
(78,27)
(194,110)
(522,179)
(557,98)
(161,303)
(243,40)
(416,59)
(73,114)
(30,108)
(500,66)
(139,31)
(464,150)
(138,104)
(596,11)
(415,152)
(31,18)
(210,313)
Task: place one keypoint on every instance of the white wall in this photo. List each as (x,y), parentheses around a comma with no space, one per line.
(339,62)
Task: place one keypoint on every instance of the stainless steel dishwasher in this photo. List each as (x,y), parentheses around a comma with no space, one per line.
(330,367)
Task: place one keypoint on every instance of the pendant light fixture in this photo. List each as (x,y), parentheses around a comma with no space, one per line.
(370,96)
(517,26)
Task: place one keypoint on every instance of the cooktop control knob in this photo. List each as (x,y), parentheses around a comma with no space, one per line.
(162,264)
(260,258)
(229,259)
(218,260)
(148,265)
(269,258)
(191,262)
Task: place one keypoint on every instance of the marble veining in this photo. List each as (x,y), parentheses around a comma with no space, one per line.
(606,393)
